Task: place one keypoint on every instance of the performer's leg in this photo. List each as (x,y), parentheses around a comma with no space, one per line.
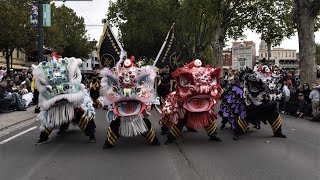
(164,128)
(175,131)
(240,127)
(224,122)
(63,128)
(86,124)
(44,135)
(113,134)
(150,134)
(276,123)
(212,132)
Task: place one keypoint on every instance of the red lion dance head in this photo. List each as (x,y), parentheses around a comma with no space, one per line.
(198,89)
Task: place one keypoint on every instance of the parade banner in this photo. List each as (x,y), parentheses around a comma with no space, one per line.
(109,48)
(168,54)
(34,14)
(46,15)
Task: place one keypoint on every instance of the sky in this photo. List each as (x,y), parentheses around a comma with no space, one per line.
(94,11)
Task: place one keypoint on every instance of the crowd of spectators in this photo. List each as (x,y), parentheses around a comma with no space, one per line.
(15,90)
(299,100)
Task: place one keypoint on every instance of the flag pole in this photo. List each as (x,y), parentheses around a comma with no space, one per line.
(163,45)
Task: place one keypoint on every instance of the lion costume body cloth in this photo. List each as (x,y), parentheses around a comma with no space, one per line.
(192,103)
(262,90)
(62,97)
(128,92)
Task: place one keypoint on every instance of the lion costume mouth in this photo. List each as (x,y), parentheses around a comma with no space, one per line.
(199,103)
(129,108)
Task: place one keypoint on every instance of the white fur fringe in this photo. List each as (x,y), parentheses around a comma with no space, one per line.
(132,126)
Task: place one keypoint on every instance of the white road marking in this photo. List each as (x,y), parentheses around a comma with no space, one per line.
(17,135)
(159,111)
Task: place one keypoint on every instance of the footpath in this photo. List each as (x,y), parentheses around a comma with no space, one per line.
(11,119)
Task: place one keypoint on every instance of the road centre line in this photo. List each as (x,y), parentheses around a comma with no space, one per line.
(159,111)
(17,135)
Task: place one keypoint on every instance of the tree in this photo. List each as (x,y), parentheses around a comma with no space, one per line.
(67,34)
(15,31)
(273,21)
(305,15)
(143,24)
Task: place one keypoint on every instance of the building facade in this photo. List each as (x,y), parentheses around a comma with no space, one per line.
(284,58)
(227,58)
(18,60)
(243,54)
(91,63)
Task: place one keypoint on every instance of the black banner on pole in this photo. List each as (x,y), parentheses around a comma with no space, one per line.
(168,54)
(109,49)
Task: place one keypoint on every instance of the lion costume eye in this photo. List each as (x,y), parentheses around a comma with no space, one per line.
(185,80)
(75,75)
(42,83)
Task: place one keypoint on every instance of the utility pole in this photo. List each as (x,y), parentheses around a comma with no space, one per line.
(40,32)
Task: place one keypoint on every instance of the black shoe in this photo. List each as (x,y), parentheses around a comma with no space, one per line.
(107,145)
(191,130)
(41,141)
(22,109)
(264,122)
(235,137)
(92,139)
(222,126)
(37,110)
(280,135)
(155,142)
(215,138)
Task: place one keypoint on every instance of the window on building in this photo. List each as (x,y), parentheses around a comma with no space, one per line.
(278,54)
(87,64)
(282,54)
(292,54)
(261,55)
(286,54)
(266,55)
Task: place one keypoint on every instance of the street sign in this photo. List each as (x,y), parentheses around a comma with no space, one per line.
(46,15)
(34,14)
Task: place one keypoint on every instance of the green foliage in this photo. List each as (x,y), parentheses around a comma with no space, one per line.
(144,24)
(15,31)
(273,20)
(67,34)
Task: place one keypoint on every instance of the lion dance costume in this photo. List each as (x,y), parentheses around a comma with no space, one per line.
(62,97)
(128,92)
(262,89)
(233,110)
(192,103)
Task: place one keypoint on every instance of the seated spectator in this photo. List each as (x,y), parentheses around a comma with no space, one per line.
(314,97)
(26,95)
(19,103)
(303,107)
(306,92)
(285,99)
(5,101)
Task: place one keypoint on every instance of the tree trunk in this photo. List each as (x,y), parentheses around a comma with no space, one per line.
(269,54)
(8,56)
(217,43)
(307,47)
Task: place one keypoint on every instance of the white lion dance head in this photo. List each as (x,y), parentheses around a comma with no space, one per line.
(129,92)
(60,91)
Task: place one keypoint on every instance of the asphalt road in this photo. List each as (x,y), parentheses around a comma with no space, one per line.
(256,156)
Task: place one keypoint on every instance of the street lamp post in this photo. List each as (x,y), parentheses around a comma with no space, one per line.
(40,32)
